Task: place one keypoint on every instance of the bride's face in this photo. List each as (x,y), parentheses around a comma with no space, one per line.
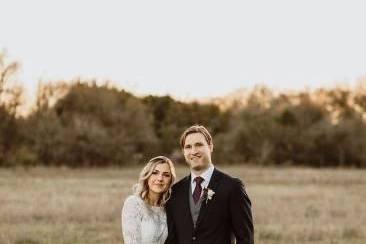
(160,179)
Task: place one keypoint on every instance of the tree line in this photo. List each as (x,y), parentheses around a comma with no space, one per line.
(82,124)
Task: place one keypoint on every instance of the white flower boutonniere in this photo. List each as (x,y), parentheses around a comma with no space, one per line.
(208,194)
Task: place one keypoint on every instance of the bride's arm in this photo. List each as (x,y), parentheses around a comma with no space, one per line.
(131,220)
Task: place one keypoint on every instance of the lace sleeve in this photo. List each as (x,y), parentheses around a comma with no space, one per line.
(131,220)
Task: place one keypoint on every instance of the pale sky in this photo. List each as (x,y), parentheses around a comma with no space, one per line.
(188,49)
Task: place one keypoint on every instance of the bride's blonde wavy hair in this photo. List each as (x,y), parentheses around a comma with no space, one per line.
(141,189)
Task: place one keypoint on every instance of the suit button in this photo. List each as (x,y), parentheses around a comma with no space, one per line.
(194,238)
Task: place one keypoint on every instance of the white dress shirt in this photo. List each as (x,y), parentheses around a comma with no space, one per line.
(206,175)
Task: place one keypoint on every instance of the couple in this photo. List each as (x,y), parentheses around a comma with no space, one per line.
(207,206)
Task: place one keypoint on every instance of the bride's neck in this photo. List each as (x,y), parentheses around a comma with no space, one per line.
(153,199)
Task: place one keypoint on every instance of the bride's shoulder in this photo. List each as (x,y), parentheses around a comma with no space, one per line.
(133,200)
(133,208)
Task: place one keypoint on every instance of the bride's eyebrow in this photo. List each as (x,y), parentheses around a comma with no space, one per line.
(165,172)
(156,170)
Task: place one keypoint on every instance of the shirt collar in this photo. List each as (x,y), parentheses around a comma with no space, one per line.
(206,175)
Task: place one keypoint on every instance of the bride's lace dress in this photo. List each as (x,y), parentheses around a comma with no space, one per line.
(142,223)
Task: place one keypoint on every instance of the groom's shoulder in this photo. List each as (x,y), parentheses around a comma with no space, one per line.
(230,180)
(181,183)
(178,189)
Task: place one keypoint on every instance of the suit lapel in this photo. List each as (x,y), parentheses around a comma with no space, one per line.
(215,179)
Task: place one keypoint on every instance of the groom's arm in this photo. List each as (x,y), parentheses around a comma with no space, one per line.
(171,239)
(241,214)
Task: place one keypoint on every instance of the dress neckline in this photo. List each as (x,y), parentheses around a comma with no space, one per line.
(155,208)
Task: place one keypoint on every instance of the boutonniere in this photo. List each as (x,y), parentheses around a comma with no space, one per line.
(208,194)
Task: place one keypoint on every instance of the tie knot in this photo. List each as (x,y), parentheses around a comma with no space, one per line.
(198,180)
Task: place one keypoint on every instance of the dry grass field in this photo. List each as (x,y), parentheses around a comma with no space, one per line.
(290,205)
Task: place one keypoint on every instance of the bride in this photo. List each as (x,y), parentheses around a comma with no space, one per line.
(143,213)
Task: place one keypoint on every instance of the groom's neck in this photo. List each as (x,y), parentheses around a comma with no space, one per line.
(200,171)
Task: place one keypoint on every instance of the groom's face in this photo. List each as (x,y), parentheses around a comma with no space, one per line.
(197,151)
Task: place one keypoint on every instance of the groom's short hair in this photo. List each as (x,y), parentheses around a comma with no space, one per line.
(196,129)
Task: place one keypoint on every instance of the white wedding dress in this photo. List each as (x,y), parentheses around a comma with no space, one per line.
(142,223)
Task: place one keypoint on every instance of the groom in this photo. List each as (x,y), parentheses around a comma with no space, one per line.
(207,206)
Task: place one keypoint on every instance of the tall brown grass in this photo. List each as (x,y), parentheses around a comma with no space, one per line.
(290,205)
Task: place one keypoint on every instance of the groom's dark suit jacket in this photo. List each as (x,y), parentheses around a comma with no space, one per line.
(227,215)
